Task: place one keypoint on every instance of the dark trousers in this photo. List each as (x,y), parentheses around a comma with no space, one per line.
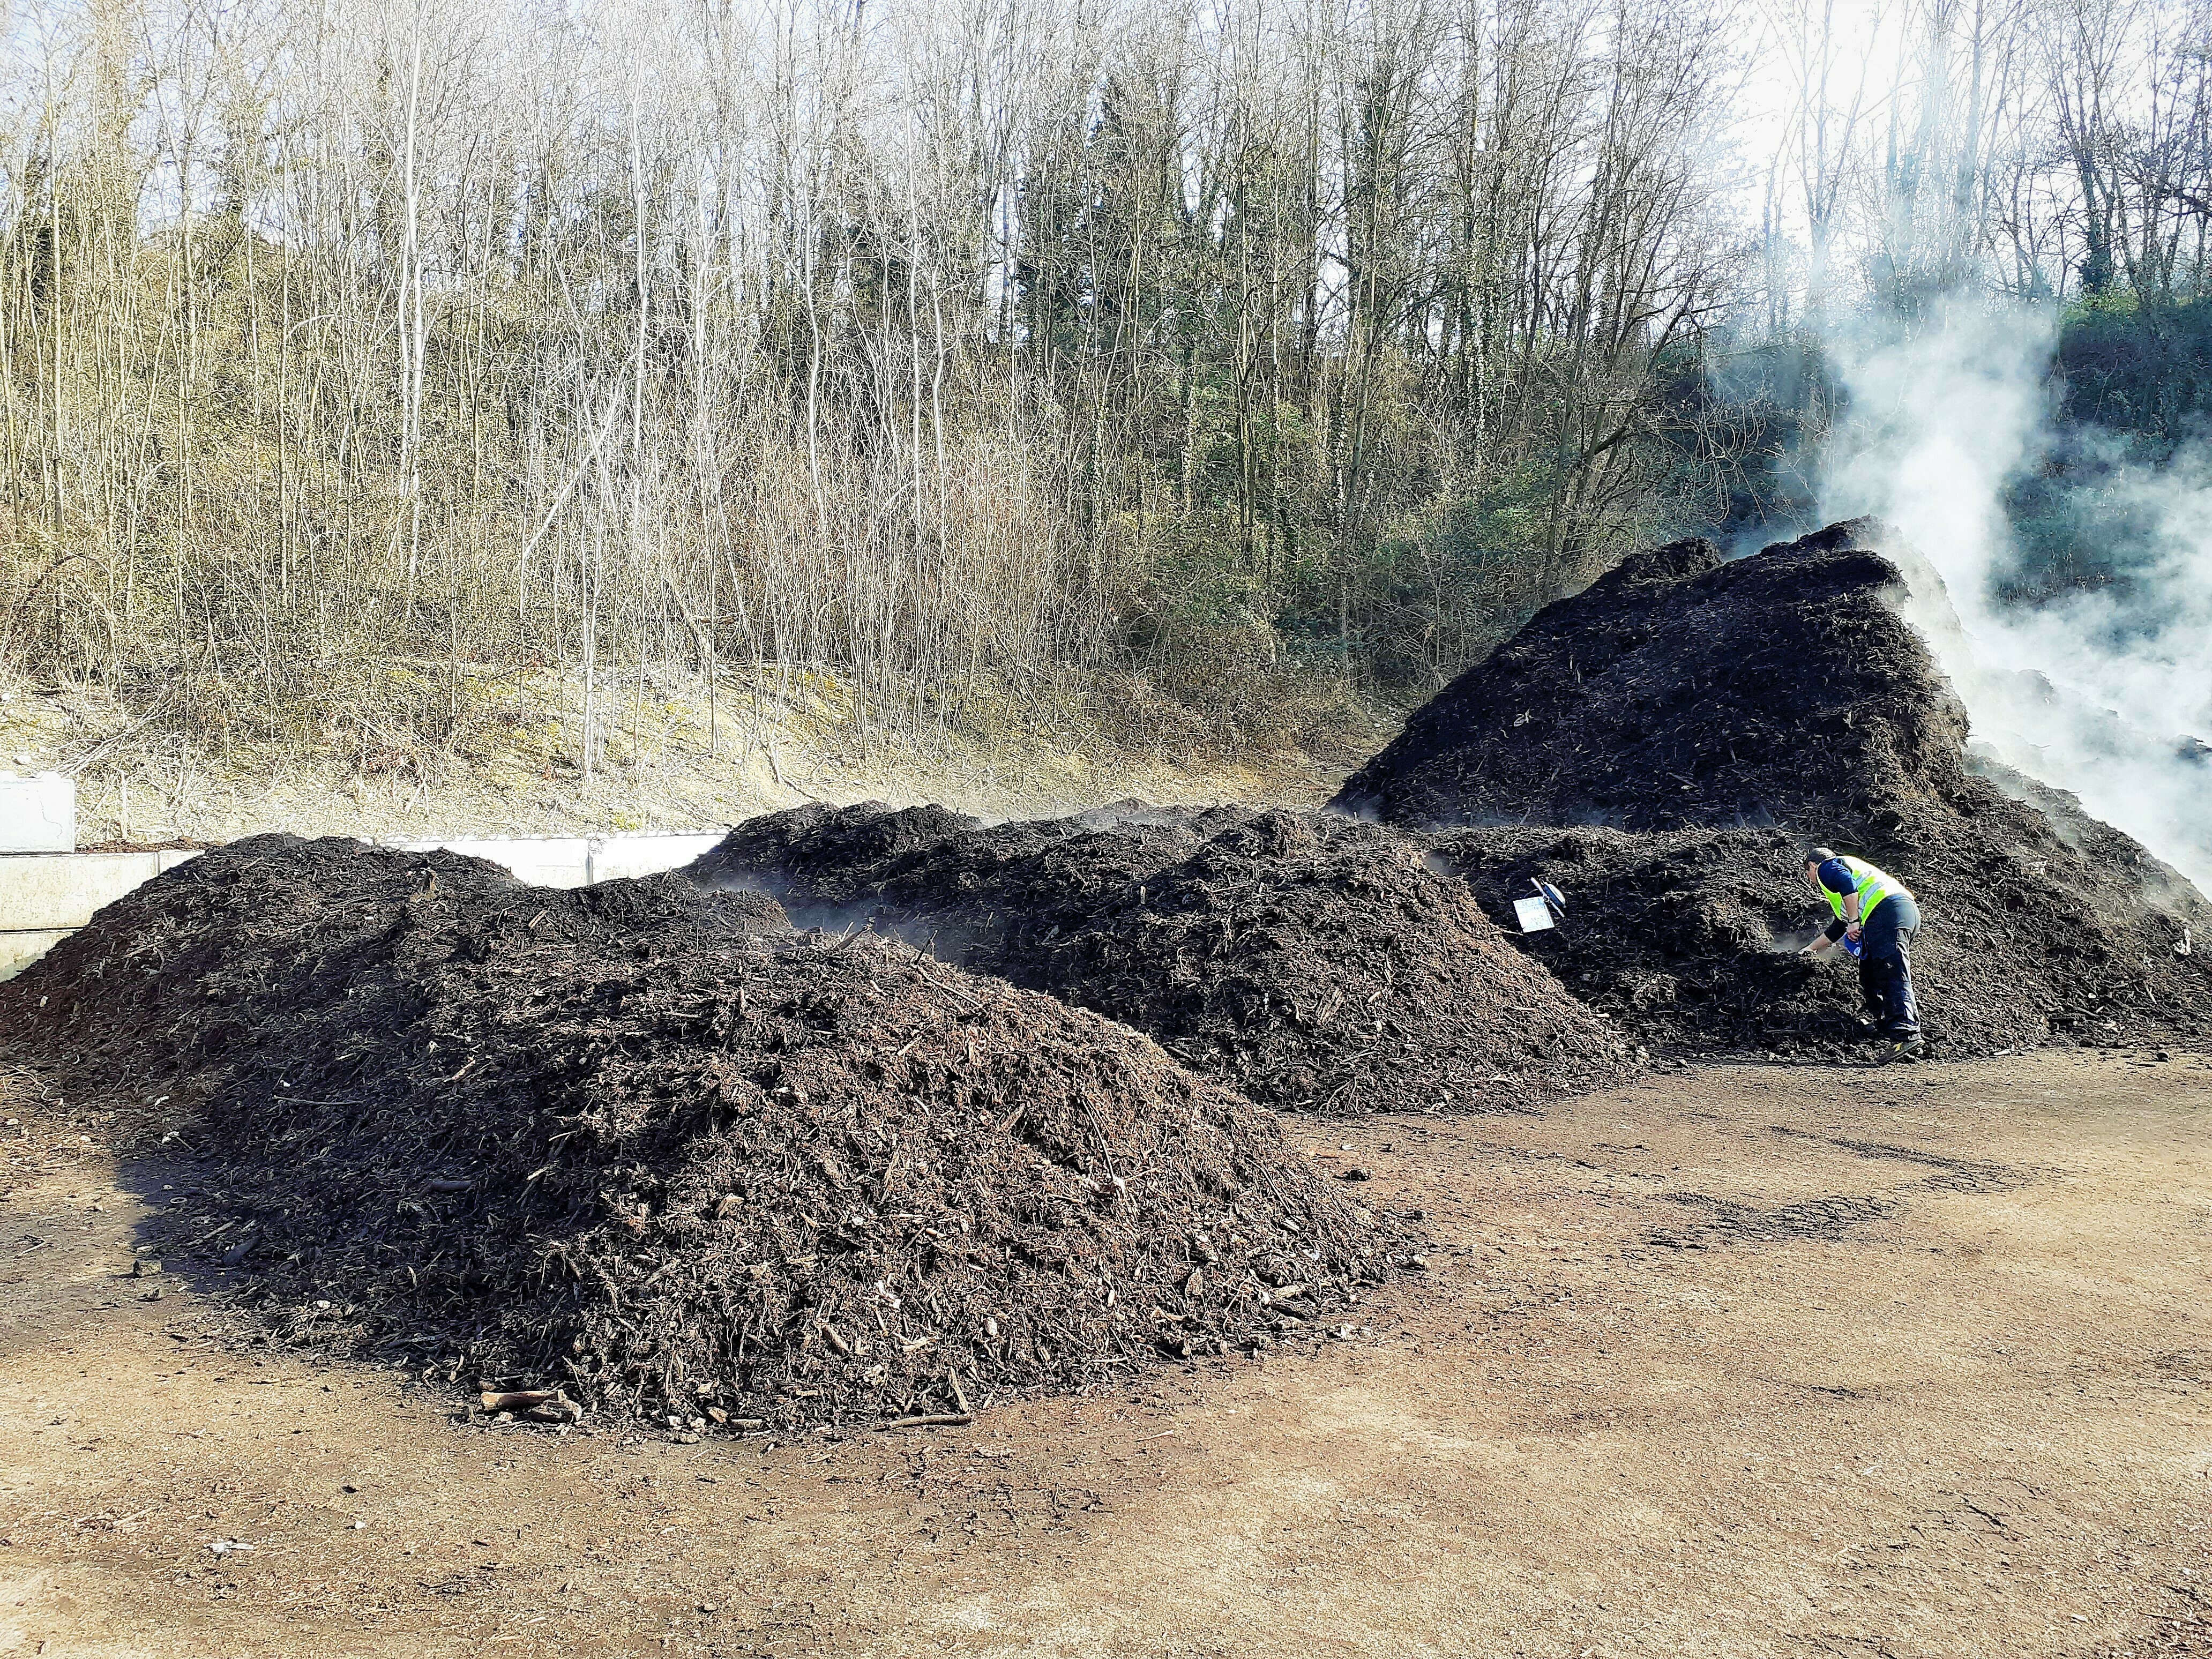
(1886,965)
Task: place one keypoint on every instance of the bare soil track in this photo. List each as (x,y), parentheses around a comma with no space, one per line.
(1747,1360)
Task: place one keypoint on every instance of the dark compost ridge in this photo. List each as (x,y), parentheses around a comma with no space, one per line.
(646,1142)
(1716,717)
(1305,960)
(1689,939)
(1679,692)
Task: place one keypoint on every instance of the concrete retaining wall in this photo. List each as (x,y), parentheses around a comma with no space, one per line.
(44,896)
(618,856)
(20,948)
(576,861)
(62,889)
(541,860)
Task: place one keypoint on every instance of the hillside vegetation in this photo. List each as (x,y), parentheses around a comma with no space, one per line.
(1224,375)
(950,355)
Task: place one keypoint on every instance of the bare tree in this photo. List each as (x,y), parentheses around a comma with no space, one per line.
(934,354)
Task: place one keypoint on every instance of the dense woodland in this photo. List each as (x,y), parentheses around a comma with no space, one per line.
(990,347)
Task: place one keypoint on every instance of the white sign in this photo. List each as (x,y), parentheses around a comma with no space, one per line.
(1535,914)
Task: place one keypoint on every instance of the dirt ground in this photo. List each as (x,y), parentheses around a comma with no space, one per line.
(1736,1361)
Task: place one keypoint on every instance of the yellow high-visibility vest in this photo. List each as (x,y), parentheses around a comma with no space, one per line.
(1872,885)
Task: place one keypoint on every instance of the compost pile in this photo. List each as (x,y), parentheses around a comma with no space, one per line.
(1689,939)
(1680,691)
(1304,959)
(1716,717)
(647,1143)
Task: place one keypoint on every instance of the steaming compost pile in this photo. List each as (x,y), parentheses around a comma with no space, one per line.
(1680,691)
(1305,960)
(644,1142)
(1720,716)
(1688,939)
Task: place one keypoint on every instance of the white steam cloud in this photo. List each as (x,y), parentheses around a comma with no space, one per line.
(2103,691)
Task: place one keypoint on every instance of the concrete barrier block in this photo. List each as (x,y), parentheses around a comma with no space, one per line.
(19,949)
(541,860)
(618,856)
(38,814)
(40,891)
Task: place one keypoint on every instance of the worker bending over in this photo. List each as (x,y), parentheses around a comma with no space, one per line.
(1875,913)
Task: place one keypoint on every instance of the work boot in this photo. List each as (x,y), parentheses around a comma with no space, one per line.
(1906,1049)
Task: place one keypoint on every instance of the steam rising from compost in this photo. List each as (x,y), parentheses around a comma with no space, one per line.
(2104,690)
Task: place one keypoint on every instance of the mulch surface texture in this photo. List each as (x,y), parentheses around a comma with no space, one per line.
(645,1143)
(1303,958)
(1686,726)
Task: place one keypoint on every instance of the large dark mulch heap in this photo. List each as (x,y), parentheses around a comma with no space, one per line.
(646,1142)
(1733,714)
(1304,959)
(1680,691)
